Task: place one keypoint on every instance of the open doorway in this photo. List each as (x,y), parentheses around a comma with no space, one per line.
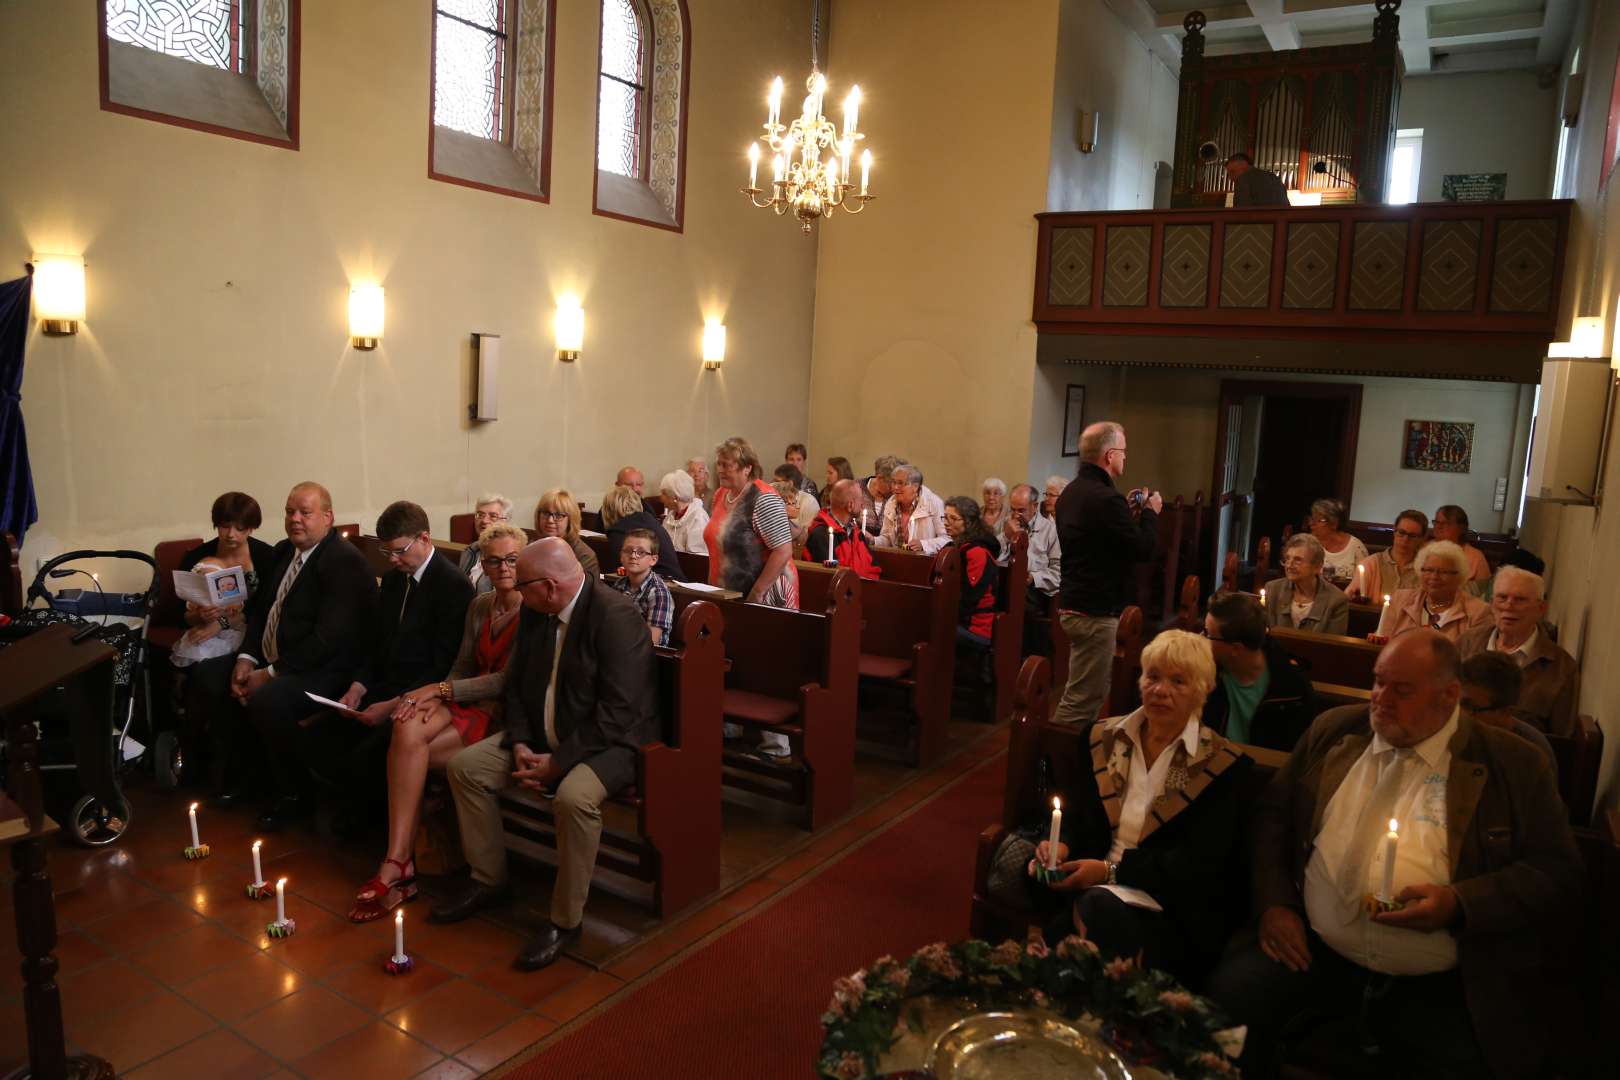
(1279,446)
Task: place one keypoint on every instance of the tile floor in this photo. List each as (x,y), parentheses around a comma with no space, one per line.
(166,969)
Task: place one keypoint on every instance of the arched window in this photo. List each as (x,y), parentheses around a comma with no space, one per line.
(641,111)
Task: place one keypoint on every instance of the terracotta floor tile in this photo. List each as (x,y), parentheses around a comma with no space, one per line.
(106,987)
(243,986)
(324,944)
(190,953)
(511,1040)
(226,902)
(454,1015)
(448,1069)
(136,927)
(98,897)
(569,1003)
(75,951)
(698,924)
(302,1023)
(219,1054)
(528,987)
(369,986)
(378,1049)
(136,1035)
(463,947)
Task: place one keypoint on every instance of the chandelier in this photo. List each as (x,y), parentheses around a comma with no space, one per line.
(802,180)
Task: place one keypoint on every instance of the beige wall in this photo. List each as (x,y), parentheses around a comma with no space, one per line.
(215,352)
(1171,417)
(923,344)
(1498,121)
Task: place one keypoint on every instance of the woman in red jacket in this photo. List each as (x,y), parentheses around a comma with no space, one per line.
(975,612)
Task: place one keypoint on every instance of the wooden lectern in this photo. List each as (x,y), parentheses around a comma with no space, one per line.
(28,670)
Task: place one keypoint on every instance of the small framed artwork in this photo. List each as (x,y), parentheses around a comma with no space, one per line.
(1073,407)
(1438,446)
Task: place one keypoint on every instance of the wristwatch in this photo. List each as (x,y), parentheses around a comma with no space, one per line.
(444,691)
(1111,878)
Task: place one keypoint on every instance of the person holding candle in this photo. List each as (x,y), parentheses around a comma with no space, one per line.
(1457,979)
(876,491)
(1440,602)
(835,535)
(1148,839)
(914,519)
(1341,552)
(802,506)
(1302,599)
(1396,567)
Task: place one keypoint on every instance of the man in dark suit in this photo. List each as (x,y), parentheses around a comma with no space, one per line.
(579,701)
(1252,186)
(303,635)
(1452,979)
(412,642)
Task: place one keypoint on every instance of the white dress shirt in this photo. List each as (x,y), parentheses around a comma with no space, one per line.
(1421,859)
(1145,784)
(1522,655)
(1045,558)
(550,711)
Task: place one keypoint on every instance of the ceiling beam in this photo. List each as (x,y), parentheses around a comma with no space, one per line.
(1483,31)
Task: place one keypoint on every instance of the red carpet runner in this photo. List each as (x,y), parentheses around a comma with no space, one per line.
(749,1004)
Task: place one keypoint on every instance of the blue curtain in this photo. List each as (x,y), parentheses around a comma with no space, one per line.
(18,510)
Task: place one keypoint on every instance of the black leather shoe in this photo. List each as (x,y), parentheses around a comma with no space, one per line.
(472,899)
(284,812)
(544,949)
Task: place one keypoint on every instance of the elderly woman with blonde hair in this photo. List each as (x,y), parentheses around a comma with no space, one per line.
(1440,602)
(622,512)
(491,509)
(1151,824)
(684,514)
(557,514)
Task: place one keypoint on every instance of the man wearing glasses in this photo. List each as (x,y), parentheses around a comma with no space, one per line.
(639,583)
(1101,539)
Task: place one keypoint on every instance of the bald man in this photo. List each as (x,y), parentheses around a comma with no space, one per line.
(303,635)
(579,701)
(1453,981)
(630,477)
(836,531)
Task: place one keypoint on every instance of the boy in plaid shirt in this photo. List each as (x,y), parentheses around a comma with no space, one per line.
(636,580)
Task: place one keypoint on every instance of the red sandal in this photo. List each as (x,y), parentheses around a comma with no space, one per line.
(378,897)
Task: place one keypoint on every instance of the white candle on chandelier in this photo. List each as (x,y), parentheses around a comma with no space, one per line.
(852,109)
(833,171)
(818,90)
(866,169)
(774,110)
(776,168)
(753,165)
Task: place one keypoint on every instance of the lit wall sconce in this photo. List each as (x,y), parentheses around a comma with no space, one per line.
(1585,340)
(570,329)
(365,315)
(714,344)
(1087,130)
(59,292)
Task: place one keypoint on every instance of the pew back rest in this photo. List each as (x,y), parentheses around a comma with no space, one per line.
(463,529)
(599,548)
(695,649)
(169,609)
(694,564)
(1331,658)
(906,567)
(11,584)
(773,651)
(1579,756)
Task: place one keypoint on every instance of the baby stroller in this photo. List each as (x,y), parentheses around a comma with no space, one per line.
(93,747)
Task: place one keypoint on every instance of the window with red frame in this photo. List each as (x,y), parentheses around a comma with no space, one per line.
(471,65)
(209,32)
(621,100)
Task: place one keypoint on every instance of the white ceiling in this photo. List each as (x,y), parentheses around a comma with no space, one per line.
(1438,37)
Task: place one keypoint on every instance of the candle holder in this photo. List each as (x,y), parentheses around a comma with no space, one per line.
(200,851)
(1374,904)
(281,928)
(398,964)
(259,890)
(1048,876)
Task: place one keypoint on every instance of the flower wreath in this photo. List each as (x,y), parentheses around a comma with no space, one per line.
(1146,1015)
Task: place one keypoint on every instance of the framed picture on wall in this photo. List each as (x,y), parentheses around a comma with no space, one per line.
(1073,407)
(1438,446)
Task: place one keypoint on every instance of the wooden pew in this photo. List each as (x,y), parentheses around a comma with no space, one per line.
(795,673)
(11,583)
(1229,572)
(1331,658)
(695,565)
(1006,639)
(908,640)
(666,829)
(372,548)
(904,566)
(1262,562)
(1364,618)
(1123,693)
(599,548)
(1579,756)
(463,528)
(1189,616)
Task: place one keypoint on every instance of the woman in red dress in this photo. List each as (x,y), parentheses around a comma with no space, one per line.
(435,722)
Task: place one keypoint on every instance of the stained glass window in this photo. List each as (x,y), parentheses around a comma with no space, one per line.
(469,67)
(622,89)
(203,31)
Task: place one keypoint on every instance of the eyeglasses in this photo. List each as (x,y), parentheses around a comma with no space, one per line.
(529,581)
(553,515)
(1213,640)
(1120,450)
(492,562)
(1295,560)
(488,516)
(399,553)
(1438,571)
(634,553)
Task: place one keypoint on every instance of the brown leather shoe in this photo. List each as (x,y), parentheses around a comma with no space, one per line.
(544,949)
(475,897)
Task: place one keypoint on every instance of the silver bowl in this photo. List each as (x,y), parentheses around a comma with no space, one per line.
(1021,1043)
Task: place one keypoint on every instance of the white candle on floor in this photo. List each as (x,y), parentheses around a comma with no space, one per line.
(1052,837)
(1391,842)
(258,872)
(399,934)
(192,813)
(281,900)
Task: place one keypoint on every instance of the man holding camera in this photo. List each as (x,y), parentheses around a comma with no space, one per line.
(1101,535)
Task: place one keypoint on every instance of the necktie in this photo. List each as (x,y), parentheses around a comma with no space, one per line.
(560,633)
(272,622)
(406,599)
(1372,825)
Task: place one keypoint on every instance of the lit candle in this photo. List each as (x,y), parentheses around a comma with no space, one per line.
(863,521)
(1052,837)
(834,170)
(830,556)
(1391,841)
(866,169)
(281,900)
(776,168)
(192,813)
(753,165)
(1361,579)
(852,109)
(258,873)
(774,111)
(1386,599)
(1262,598)
(847,153)
(399,934)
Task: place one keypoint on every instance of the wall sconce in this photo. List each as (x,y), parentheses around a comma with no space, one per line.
(570,329)
(1585,340)
(59,292)
(1087,129)
(365,316)
(714,344)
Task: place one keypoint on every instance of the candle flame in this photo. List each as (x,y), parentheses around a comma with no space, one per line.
(1057,804)
(193,807)
(1386,599)
(1392,825)
(281,882)
(399,916)
(257,844)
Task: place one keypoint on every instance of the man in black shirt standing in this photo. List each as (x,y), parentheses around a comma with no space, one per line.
(1101,539)
(1252,186)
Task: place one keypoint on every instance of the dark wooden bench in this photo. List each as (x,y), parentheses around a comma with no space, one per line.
(666,829)
(11,584)
(1364,618)
(1331,658)
(795,673)
(695,565)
